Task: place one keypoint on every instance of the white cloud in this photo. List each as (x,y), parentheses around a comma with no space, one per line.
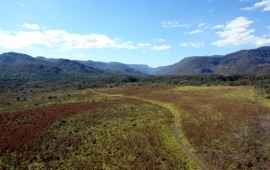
(31,26)
(22,39)
(218,27)
(128,45)
(184,44)
(59,39)
(264,5)
(193,32)
(202,24)
(192,44)
(239,22)
(236,32)
(247,8)
(159,39)
(117,40)
(22,5)
(170,24)
(268,27)
(162,47)
(262,41)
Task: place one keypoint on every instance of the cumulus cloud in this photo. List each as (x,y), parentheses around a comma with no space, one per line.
(59,39)
(162,47)
(237,32)
(159,39)
(264,5)
(239,22)
(23,39)
(30,26)
(194,32)
(192,44)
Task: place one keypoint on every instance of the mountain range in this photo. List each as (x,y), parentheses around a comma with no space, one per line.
(254,61)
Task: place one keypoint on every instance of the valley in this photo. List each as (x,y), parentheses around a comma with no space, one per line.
(200,113)
(135,85)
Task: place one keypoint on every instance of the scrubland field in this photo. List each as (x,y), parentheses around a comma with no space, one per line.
(136,127)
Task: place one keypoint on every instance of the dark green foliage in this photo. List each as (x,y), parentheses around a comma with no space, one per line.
(263,89)
(130,79)
(81,82)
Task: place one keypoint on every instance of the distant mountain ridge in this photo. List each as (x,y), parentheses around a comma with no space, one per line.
(254,61)
(115,67)
(13,57)
(168,69)
(17,65)
(142,67)
(73,66)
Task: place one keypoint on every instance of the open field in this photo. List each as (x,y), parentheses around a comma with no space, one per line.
(227,127)
(135,127)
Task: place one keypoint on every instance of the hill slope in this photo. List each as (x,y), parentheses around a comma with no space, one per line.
(255,61)
(13,57)
(73,66)
(168,69)
(113,67)
(142,68)
(22,66)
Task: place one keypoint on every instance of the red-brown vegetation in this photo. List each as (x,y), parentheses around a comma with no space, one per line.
(23,131)
(118,133)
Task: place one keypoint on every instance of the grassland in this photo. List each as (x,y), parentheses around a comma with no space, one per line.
(135,127)
(226,127)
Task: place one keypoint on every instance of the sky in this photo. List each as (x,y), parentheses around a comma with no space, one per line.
(152,32)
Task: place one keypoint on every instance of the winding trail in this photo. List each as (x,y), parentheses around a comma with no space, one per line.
(174,112)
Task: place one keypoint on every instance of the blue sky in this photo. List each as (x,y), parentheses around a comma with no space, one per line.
(152,32)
